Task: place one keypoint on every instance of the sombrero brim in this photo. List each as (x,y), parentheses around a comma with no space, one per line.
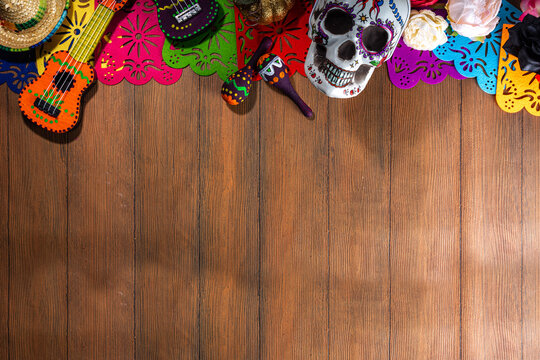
(24,40)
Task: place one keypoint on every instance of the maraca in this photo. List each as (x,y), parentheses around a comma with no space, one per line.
(237,87)
(274,71)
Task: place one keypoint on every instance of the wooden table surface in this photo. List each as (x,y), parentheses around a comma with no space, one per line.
(400,224)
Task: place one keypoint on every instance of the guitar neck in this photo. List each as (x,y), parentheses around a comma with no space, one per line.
(84,47)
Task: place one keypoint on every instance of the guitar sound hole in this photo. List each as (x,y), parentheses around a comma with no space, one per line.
(63,81)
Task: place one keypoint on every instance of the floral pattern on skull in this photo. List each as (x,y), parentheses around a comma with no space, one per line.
(350,39)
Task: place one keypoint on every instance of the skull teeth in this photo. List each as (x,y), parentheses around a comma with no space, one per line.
(335,75)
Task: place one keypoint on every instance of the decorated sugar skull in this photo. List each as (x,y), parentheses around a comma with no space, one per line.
(350,39)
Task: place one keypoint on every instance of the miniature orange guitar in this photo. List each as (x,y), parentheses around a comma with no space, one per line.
(53,100)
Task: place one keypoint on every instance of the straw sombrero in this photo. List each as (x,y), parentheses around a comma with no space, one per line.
(25,24)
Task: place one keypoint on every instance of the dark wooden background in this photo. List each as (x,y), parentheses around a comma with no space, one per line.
(401,224)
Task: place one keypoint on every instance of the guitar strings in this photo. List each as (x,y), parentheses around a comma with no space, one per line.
(90,48)
(85,35)
(79,51)
(184,1)
(51,97)
(84,55)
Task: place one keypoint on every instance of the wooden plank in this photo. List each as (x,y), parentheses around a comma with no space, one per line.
(101,269)
(4,223)
(38,240)
(166,219)
(229,234)
(294,225)
(359,223)
(425,222)
(531,236)
(491,229)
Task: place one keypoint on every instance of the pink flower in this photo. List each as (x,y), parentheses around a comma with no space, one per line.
(474,19)
(531,7)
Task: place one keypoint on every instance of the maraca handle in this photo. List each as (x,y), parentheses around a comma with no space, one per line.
(306,110)
(264,47)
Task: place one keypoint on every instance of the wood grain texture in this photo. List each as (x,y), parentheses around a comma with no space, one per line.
(294,226)
(229,232)
(359,223)
(531,237)
(491,234)
(101,269)
(166,220)
(38,240)
(425,222)
(171,226)
(4,223)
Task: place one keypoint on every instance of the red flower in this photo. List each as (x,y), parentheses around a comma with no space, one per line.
(422,3)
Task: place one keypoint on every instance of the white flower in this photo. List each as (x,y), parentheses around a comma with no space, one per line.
(473,18)
(425,30)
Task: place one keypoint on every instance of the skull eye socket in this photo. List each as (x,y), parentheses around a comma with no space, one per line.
(375,38)
(338,22)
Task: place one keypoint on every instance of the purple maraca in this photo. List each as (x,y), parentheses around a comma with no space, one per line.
(237,87)
(274,71)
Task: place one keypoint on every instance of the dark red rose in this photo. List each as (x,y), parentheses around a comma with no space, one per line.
(422,3)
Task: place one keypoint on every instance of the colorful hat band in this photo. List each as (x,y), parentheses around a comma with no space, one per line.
(42,9)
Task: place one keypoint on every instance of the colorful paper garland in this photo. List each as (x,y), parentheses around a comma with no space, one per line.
(475,59)
(211,52)
(17,69)
(290,35)
(132,49)
(516,89)
(408,66)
